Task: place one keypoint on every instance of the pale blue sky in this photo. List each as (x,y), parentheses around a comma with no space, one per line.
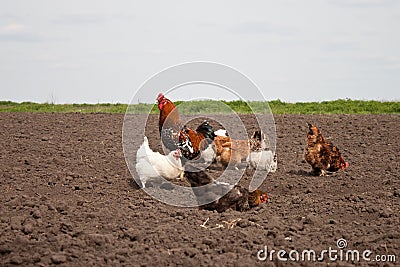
(102,51)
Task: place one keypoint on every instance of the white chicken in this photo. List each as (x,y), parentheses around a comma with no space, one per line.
(221,132)
(208,154)
(150,164)
(260,156)
(263,160)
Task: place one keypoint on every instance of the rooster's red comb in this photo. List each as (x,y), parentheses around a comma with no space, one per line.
(160,97)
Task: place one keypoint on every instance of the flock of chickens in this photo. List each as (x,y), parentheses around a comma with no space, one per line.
(204,143)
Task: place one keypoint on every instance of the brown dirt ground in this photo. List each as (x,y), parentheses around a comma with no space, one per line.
(67,197)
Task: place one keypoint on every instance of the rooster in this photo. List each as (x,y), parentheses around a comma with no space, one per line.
(237,197)
(321,154)
(175,135)
(150,164)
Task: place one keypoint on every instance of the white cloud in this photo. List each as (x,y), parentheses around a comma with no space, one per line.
(379,61)
(15,32)
(12,28)
(263,27)
(80,19)
(97,51)
(363,3)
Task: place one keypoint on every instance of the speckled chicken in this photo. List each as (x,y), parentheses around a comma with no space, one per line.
(321,154)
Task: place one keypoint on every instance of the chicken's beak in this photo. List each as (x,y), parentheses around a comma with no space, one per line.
(346,165)
(178,154)
(264,198)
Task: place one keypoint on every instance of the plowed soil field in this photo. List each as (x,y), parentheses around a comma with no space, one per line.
(67,198)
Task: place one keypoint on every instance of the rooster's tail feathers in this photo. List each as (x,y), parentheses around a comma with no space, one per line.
(144,149)
(145,140)
(206,129)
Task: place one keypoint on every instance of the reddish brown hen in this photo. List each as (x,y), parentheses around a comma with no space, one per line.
(321,154)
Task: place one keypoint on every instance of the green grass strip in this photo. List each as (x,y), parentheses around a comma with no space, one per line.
(341,106)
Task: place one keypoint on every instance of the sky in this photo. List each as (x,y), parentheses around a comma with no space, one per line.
(103,51)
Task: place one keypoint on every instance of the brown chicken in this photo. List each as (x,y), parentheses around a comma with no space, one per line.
(321,154)
(175,135)
(233,153)
(236,197)
(219,141)
(230,152)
